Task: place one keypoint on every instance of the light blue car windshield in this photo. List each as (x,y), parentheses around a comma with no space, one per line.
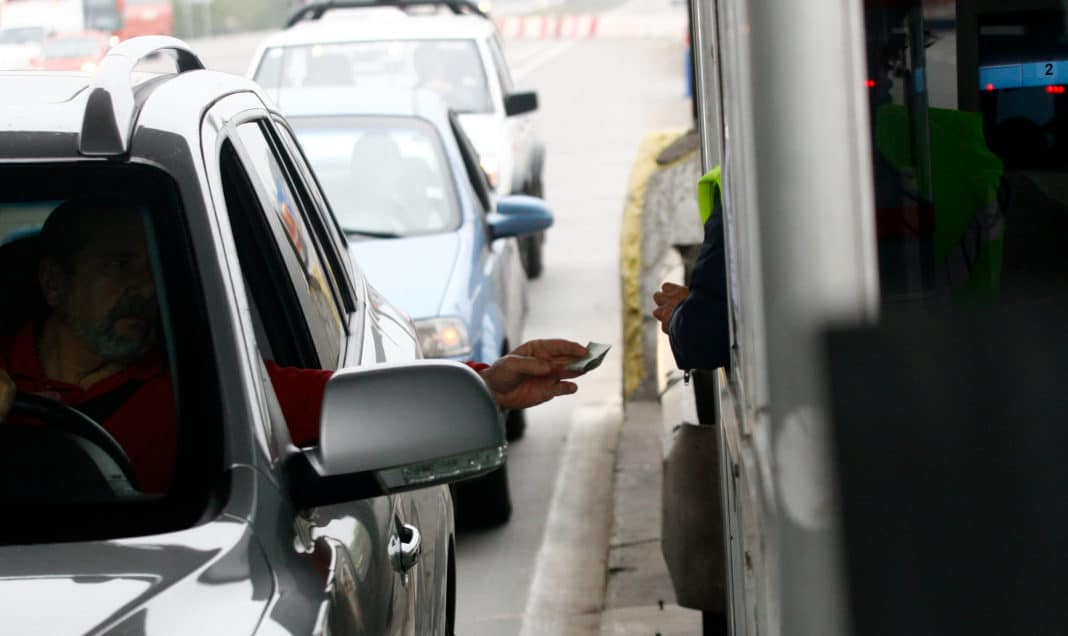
(383,176)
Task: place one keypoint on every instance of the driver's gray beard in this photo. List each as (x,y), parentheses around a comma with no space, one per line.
(101,338)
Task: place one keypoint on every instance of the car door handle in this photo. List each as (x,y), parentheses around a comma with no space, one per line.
(404,547)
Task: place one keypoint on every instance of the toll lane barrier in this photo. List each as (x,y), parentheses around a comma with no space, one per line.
(590,26)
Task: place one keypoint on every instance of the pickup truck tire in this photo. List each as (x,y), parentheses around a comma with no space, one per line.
(530,255)
(515,424)
(530,252)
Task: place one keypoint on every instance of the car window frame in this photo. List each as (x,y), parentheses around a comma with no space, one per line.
(504,73)
(297,348)
(295,271)
(191,362)
(472,166)
(315,205)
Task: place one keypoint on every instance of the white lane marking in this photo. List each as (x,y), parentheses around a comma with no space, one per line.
(568,587)
(534,61)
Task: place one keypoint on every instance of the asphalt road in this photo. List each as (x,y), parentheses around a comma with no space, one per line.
(597,100)
(598,97)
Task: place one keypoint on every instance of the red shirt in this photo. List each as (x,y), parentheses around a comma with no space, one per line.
(146,424)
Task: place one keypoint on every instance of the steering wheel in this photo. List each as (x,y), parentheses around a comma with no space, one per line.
(59,416)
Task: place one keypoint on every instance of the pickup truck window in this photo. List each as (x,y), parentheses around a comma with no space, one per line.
(451,67)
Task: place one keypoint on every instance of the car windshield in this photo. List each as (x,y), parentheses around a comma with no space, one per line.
(382,176)
(452,68)
(21,35)
(82,46)
(90,338)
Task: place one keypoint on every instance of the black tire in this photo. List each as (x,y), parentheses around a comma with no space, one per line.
(530,246)
(515,424)
(530,255)
(450,593)
(536,188)
(484,502)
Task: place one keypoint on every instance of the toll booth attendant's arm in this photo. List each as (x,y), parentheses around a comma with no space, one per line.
(699,330)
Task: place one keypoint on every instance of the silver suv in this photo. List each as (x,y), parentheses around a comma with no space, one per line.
(244,532)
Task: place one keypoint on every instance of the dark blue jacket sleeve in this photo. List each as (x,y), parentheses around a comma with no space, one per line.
(699,329)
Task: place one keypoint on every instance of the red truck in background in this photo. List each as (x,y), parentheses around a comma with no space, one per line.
(145,17)
(130,18)
(121,18)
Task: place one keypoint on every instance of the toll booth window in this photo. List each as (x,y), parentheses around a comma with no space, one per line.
(969,120)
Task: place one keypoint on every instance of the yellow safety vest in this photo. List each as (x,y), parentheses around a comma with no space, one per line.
(966,176)
(708,193)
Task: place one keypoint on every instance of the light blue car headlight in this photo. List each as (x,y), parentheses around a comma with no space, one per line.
(443,337)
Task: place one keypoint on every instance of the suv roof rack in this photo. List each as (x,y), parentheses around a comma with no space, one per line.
(315,10)
(110,109)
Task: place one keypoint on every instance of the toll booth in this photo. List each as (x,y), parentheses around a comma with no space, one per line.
(896,215)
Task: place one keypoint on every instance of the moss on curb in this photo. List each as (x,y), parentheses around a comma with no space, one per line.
(630,252)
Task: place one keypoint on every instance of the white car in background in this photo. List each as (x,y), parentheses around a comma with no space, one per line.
(450,47)
(19,45)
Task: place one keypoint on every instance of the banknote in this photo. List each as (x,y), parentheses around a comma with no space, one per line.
(597,352)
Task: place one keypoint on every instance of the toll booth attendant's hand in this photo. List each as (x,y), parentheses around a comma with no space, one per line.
(7,394)
(533,373)
(667,299)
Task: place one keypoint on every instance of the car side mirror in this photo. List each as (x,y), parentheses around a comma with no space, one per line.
(519,103)
(519,214)
(397,427)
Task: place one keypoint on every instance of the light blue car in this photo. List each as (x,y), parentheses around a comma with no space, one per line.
(407,189)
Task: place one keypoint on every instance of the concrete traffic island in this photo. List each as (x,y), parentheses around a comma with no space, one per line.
(660,213)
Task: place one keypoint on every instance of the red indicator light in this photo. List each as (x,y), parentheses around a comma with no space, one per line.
(1055,90)
(989,87)
(870,83)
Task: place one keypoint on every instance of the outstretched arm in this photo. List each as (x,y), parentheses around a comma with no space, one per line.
(533,373)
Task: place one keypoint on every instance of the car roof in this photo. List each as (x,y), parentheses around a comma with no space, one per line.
(40,87)
(44,112)
(377,24)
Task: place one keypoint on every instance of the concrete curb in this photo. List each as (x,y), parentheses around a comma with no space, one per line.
(639,597)
(660,211)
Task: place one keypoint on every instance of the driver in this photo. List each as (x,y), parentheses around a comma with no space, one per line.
(98,349)
(432,70)
(375,165)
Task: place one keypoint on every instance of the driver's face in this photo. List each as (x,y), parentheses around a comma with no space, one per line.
(108,297)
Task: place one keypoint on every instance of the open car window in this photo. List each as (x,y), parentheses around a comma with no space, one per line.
(284,217)
(103,331)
